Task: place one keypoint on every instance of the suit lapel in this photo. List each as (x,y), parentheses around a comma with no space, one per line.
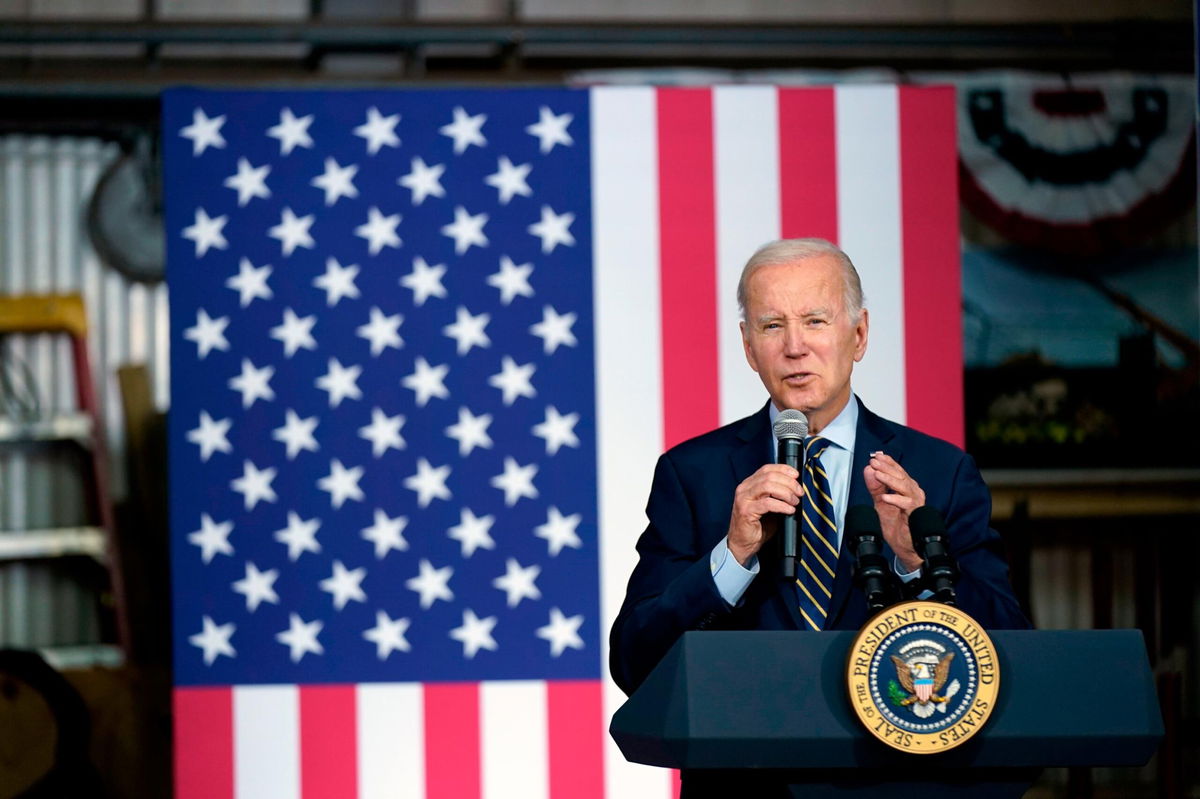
(870,435)
(752,452)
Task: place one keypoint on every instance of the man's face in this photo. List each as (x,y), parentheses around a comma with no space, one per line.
(799,337)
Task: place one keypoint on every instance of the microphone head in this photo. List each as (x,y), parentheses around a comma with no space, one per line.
(926,521)
(861,520)
(791,424)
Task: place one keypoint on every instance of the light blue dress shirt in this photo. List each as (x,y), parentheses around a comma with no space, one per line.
(731,577)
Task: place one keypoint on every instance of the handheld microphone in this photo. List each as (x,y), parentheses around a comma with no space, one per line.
(939,570)
(865,536)
(790,428)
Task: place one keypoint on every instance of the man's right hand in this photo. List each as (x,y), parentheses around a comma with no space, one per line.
(774,488)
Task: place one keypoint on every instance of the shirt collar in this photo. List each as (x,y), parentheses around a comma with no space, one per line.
(842,431)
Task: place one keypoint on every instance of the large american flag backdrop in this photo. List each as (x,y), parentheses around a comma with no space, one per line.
(426,346)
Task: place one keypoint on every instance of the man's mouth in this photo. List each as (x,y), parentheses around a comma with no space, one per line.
(797,378)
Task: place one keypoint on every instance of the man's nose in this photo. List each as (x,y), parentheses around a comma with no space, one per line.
(795,342)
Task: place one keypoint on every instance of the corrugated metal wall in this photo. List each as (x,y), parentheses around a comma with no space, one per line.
(45,185)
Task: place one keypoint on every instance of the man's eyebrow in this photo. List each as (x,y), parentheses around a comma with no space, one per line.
(773,316)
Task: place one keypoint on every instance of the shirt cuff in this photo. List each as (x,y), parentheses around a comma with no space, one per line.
(906,577)
(731,577)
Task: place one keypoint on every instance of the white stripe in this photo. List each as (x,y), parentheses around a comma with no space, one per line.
(512,726)
(391,748)
(628,363)
(868,173)
(746,141)
(266,742)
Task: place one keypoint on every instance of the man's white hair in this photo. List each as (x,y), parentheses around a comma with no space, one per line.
(789,251)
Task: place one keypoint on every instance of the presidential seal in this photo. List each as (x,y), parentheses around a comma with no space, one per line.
(922,677)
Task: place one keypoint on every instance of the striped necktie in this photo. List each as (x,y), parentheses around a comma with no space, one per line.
(818,538)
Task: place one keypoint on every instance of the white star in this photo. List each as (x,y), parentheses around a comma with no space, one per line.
(301,637)
(291,131)
(386,534)
(472,532)
(250,282)
(383,432)
(424,280)
(255,485)
(561,632)
(214,640)
(299,535)
(553,229)
(341,483)
(427,381)
(554,329)
(432,584)
(257,587)
(250,181)
(512,280)
(424,181)
(465,130)
(470,431)
(388,635)
(475,633)
(206,232)
(344,584)
(210,436)
(514,380)
(518,583)
(509,180)
(337,282)
(295,332)
(379,231)
(557,430)
(212,538)
(516,482)
(551,129)
(204,132)
(467,330)
(382,331)
(253,383)
(336,181)
(559,531)
(466,230)
(378,130)
(341,382)
(429,482)
(208,333)
(292,232)
(296,434)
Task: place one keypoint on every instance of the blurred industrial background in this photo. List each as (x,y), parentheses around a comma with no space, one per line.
(1082,353)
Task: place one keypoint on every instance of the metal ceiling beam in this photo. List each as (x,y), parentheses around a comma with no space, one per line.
(1165,36)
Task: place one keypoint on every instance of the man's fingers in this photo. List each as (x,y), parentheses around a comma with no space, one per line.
(772,505)
(900,501)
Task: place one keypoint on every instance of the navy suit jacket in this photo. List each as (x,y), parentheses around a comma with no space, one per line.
(672,590)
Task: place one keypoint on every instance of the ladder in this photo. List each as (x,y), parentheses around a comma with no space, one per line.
(65,314)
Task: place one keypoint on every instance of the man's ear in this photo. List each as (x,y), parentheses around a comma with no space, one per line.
(860,336)
(746,346)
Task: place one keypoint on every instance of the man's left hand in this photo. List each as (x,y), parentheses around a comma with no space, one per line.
(896,495)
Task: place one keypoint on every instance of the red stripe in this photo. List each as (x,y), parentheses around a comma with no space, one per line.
(933,356)
(203,743)
(807,164)
(452,742)
(575,719)
(688,263)
(328,742)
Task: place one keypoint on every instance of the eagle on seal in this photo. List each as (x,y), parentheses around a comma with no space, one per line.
(918,680)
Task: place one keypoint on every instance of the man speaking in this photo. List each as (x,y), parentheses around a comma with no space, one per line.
(710,559)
